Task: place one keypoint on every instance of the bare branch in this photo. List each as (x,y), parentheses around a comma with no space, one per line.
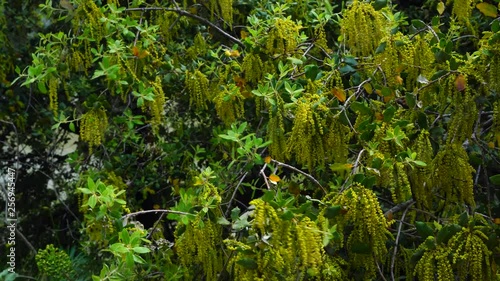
(302,172)
(155,211)
(196,17)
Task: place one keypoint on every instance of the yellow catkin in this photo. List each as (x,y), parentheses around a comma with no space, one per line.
(284,37)
(93,125)
(434,263)
(229,104)
(156,106)
(421,177)
(53,96)
(363,28)
(453,174)
(361,210)
(197,85)
(471,252)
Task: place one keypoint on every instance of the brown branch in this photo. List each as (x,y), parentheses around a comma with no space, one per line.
(196,17)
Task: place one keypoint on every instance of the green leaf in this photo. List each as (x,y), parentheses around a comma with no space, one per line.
(312,71)
(268,196)
(235,213)
(379,4)
(411,100)
(72,127)
(361,108)
(346,69)
(295,61)
(447,232)
(423,229)
(389,113)
(381,48)
(223,221)
(350,61)
(141,250)
(438,74)
(91,184)
(118,248)
(495,26)
(417,256)
(419,24)
(41,87)
(124,236)
(495,179)
(332,211)
(487,9)
(85,190)
(287,215)
(92,201)
(420,163)
(247,263)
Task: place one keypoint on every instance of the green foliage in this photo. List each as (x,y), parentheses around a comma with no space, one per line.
(230,140)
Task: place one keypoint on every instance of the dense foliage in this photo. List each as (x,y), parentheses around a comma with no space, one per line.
(252,140)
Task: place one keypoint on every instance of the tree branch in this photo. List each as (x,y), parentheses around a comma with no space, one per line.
(196,17)
(302,172)
(155,211)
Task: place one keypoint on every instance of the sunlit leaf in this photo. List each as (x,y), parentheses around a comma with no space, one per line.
(339,94)
(487,9)
(274,178)
(440,8)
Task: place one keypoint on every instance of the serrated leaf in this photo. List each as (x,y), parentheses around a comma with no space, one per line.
(487,9)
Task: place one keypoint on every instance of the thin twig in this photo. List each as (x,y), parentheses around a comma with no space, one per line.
(393,260)
(302,172)
(26,241)
(156,211)
(399,207)
(234,193)
(264,175)
(187,14)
